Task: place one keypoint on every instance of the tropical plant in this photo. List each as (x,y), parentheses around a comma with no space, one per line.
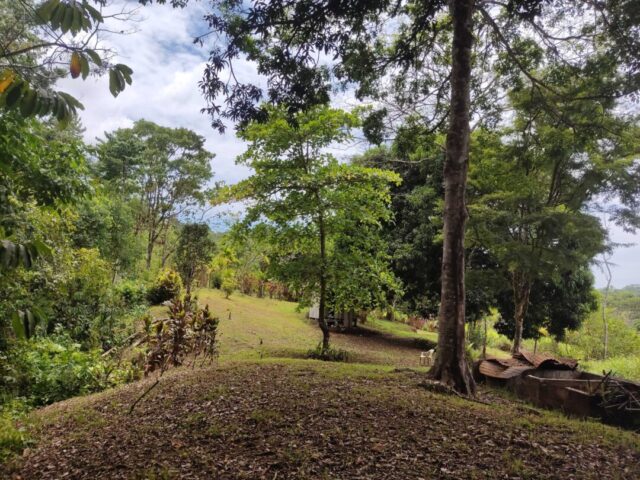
(38,39)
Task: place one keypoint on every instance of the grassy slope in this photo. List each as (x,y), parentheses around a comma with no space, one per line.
(277,417)
(253,328)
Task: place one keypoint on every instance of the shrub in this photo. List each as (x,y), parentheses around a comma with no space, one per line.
(623,339)
(329,354)
(47,370)
(228,285)
(13,438)
(167,286)
(131,293)
(187,330)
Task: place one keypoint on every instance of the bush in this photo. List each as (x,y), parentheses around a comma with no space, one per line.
(187,330)
(13,438)
(47,370)
(131,293)
(167,286)
(623,339)
(228,286)
(328,355)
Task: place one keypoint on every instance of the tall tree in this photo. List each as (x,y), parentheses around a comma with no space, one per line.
(166,170)
(194,251)
(534,183)
(563,300)
(311,201)
(413,234)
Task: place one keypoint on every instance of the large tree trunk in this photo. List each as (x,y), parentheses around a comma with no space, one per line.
(521,286)
(451,366)
(322,318)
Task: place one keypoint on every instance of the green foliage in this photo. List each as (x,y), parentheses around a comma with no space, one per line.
(46,370)
(624,340)
(131,293)
(414,232)
(194,251)
(29,65)
(322,217)
(330,354)
(162,171)
(167,286)
(228,284)
(13,437)
(107,222)
(627,367)
(557,304)
(625,303)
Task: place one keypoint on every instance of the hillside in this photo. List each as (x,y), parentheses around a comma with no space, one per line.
(265,412)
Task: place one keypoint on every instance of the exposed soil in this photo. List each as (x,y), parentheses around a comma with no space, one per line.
(307,420)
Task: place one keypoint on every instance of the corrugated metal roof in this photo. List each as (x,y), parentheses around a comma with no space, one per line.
(519,363)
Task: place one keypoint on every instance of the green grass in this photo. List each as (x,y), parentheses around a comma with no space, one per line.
(252,328)
(399,329)
(625,367)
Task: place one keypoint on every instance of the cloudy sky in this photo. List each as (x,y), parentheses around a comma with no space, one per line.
(167,68)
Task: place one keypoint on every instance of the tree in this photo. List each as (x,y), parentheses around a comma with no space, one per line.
(164,170)
(38,39)
(38,169)
(194,252)
(413,234)
(562,300)
(320,213)
(223,266)
(533,183)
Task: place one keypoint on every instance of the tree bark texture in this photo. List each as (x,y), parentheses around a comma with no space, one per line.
(521,286)
(322,314)
(451,366)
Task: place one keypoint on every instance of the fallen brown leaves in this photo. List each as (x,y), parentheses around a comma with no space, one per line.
(302,420)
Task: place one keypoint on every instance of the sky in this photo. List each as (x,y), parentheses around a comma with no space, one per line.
(167,68)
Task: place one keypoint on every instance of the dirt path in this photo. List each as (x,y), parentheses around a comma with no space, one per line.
(307,420)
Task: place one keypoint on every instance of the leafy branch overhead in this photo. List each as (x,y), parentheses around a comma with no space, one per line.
(63,39)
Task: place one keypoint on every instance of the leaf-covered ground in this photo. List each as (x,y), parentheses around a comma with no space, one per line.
(304,419)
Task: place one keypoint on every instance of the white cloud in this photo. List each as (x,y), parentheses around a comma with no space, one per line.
(167,68)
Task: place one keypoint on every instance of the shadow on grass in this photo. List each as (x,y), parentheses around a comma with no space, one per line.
(382,340)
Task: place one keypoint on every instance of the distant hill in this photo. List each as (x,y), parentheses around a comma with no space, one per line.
(635,289)
(626,303)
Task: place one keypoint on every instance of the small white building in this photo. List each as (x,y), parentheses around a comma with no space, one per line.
(342,320)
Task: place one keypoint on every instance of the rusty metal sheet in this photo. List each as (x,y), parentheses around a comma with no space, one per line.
(491,368)
(507,362)
(505,368)
(545,360)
